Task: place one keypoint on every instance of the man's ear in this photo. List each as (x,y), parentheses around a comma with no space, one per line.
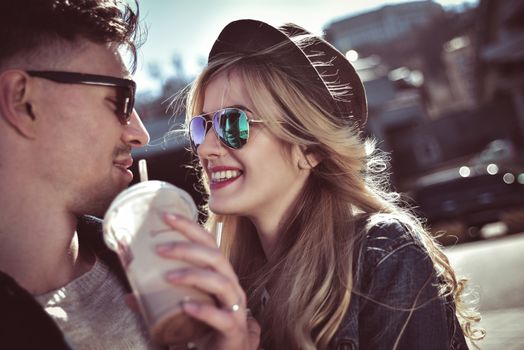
(15,102)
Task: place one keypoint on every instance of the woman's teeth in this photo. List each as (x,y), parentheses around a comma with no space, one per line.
(219,176)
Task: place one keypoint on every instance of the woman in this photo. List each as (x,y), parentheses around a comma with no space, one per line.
(327,257)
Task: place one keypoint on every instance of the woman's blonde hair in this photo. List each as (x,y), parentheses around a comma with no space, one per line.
(309,275)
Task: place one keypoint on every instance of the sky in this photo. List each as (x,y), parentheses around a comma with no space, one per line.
(188,28)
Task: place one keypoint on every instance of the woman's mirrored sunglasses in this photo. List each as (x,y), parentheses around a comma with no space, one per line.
(231,126)
(125,98)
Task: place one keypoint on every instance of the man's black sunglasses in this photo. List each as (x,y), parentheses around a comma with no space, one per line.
(126,87)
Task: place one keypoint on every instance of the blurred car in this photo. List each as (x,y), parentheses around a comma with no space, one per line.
(499,150)
(475,194)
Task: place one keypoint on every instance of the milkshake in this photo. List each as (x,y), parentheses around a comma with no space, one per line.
(133,227)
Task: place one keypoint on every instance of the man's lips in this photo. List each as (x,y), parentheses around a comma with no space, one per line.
(124,163)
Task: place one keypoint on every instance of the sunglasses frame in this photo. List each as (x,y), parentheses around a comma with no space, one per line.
(97,80)
(208,119)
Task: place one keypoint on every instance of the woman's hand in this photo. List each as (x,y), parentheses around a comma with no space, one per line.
(211,272)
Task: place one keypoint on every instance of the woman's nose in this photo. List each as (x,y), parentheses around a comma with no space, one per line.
(211,147)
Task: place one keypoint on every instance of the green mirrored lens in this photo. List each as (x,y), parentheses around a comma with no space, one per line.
(232,127)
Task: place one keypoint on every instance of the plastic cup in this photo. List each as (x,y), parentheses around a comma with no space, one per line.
(133,227)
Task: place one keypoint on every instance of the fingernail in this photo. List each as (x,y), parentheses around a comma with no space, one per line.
(171,216)
(175,275)
(190,306)
(165,247)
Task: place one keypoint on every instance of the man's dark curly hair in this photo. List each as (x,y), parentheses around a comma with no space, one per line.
(27,26)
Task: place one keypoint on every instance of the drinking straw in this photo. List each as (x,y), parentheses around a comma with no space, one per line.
(142,170)
(218,233)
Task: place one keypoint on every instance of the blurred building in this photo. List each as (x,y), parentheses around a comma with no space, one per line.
(459,58)
(396,103)
(385,24)
(500,55)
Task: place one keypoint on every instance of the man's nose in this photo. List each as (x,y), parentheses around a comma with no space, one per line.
(135,133)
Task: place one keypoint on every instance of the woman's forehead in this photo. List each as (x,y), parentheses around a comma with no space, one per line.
(225,90)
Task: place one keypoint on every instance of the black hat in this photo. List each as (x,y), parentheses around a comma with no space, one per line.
(318,61)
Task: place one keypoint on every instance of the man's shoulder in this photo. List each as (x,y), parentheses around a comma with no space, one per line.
(23,322)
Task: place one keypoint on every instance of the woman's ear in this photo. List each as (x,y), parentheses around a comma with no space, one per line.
(312,158)
(307,159)
(15,102)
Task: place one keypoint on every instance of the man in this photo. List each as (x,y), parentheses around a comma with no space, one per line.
(67,128)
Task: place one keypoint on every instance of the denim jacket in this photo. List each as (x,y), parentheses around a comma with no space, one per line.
(395,302)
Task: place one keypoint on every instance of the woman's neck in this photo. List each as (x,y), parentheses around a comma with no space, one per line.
(267,231)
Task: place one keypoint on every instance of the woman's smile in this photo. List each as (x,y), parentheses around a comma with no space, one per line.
(223,176)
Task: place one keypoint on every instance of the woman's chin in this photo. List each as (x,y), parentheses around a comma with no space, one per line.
(221,209)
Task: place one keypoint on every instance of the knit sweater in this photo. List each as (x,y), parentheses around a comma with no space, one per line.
(92,314)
